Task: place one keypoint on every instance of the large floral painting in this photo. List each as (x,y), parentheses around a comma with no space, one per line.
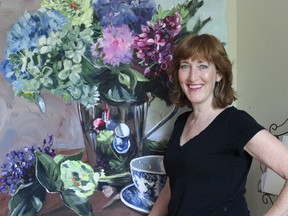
(90,80)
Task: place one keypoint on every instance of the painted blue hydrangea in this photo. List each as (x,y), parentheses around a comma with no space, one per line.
(25,34)
(29,27)
(129,12)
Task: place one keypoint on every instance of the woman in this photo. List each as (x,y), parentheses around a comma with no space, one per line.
(211,147)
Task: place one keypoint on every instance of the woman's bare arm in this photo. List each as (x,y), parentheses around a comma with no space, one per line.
(274,154)
(160,207)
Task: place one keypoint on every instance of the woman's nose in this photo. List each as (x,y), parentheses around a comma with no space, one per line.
(192,74)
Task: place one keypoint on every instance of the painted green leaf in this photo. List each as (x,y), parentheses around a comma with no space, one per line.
(139,76)
(28,200)
(61,158)
(129,77)
(48,172)
(118,165)
(115,93)
(126,80)
(92,73)
(80,205)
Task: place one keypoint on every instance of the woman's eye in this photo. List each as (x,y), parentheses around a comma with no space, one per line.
(203,66)
(184,66)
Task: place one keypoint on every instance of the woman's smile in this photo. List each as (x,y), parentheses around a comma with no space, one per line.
(195,86)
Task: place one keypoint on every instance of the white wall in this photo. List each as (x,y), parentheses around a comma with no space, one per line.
(262,72)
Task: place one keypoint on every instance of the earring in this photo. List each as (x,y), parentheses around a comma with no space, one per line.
(216,89)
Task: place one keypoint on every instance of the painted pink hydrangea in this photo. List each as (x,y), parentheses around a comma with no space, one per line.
(115,45)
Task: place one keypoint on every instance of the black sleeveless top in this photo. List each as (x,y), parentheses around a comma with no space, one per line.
(208,174)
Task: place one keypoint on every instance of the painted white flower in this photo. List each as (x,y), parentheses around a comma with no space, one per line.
(80,177)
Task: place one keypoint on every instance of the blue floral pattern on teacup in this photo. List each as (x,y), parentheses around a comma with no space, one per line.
(149,184)
(121,141)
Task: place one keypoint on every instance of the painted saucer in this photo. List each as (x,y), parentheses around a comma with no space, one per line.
(131,197)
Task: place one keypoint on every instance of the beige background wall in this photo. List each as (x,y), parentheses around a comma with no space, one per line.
(259,32)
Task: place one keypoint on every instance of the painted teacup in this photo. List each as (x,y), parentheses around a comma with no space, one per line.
(148,175)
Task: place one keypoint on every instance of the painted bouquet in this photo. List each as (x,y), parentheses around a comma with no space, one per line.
(86,51)
(31,172)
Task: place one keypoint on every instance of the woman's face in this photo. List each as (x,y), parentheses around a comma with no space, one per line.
(197,79)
